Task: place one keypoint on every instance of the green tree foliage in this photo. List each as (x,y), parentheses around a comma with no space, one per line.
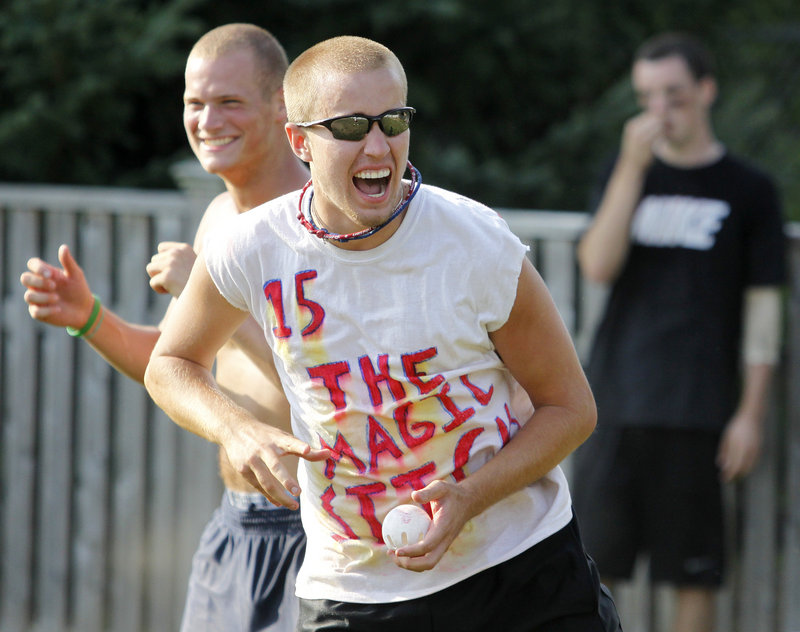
(519,102)
(88,89)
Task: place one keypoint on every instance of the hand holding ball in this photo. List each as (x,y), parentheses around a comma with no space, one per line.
(405,524)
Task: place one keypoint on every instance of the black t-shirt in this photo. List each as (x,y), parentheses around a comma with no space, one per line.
(666,352)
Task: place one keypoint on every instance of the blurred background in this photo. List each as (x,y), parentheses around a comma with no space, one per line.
(519,102)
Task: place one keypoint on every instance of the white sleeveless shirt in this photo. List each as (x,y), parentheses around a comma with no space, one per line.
(385,358)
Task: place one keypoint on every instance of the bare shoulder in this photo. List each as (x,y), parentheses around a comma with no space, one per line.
(221,207)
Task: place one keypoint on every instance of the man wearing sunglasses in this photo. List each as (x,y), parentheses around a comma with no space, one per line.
(244,570)
(411,334)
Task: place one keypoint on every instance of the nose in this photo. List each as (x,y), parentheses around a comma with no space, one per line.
(377,143)
(209,118)
(658,104)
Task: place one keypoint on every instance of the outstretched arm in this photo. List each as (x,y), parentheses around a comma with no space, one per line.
(180,381)
(60,296)
(536,347)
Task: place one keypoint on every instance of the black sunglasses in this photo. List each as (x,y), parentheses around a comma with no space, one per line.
(357,126)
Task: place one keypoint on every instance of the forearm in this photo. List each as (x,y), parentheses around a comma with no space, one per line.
(188,393)
(125,346)
(603,249)
(755,392)
(551,434)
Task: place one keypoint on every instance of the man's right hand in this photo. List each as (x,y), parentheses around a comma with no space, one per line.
(57,296)
(638,137)
(255,451)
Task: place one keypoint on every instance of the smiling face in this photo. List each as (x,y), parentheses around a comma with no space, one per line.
(666,88)
(229,121)
(357,184)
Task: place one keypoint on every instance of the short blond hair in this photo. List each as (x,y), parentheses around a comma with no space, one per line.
(344,55)
(269,56)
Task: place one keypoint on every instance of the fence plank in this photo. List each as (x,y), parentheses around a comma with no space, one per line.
(93,459)
(19,436)
(758,588)
(56,437)
(129,437)
(790,593)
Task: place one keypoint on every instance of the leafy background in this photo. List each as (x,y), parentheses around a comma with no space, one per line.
(519,102)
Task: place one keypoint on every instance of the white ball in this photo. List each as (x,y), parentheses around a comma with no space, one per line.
(405,524)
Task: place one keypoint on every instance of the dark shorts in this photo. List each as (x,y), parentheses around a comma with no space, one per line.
(244,570)
(654,492)
(551,587)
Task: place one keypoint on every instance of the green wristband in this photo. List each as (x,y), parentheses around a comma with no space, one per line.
(78,333)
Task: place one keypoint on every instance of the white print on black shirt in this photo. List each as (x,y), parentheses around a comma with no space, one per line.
(678,221)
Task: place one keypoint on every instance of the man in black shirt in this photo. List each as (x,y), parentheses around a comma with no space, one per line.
(690,239)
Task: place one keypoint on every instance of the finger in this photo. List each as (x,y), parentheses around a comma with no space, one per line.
(433,491)
(168,245)
(39,267)
(315,455)
(271,497)
(418,563)
(39,299)
(152,269)
(276,483)
(158,287)
(37,281)
(37,312)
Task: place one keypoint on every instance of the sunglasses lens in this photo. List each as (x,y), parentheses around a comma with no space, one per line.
(395,123)
(349,128)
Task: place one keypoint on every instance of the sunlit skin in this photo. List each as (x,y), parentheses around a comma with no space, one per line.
(229,122)
(338,203)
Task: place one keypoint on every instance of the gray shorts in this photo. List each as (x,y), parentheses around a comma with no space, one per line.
(244,570)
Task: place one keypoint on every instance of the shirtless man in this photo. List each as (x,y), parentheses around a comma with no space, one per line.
(234,117)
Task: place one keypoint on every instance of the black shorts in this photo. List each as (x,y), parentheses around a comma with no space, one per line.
(655,492)
(551,587)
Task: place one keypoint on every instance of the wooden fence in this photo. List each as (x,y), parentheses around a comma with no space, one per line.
(103,498)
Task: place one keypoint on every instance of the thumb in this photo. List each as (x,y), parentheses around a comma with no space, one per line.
(71,267)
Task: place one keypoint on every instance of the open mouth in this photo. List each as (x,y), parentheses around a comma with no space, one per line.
(372,182)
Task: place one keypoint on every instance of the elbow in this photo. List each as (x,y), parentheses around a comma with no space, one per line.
(597,265)
(588,418)
(585,416)
(151,379)
(597,274)
(595,270)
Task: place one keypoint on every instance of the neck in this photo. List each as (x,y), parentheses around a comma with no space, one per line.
(703,150)
(282,175)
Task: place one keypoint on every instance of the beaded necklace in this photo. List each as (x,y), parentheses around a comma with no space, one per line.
(322,233)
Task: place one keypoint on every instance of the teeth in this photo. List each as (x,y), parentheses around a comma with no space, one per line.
(218,142)
(373,174)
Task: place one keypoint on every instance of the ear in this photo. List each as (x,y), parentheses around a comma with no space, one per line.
(280,105)
(298,142)
(709,87)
